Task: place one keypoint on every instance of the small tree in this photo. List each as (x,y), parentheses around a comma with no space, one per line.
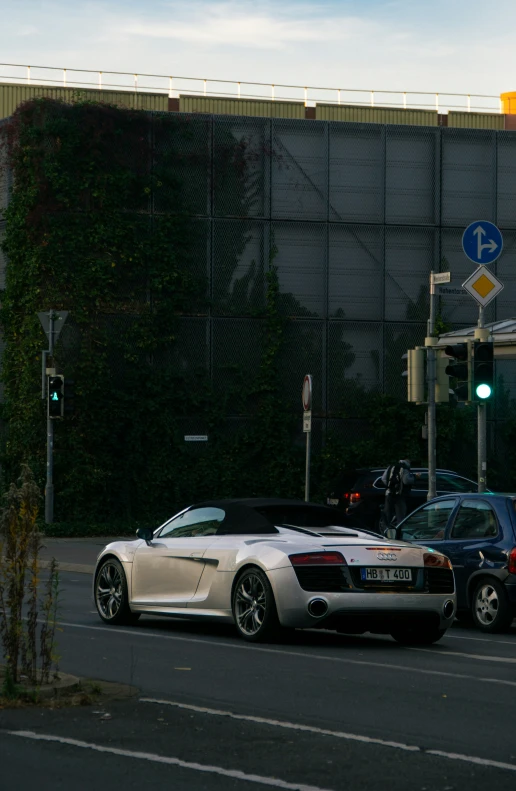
(20,546)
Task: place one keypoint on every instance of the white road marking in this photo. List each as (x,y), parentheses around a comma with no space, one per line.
(280,652)
(482,657)
(280,724)
(473,759)
(413,748)
(273,782)
(449,636)
(481,639)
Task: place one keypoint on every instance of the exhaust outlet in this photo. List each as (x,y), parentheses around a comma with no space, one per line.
(448,609)
(317,608)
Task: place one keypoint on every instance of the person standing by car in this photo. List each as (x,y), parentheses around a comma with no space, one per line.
(398,480)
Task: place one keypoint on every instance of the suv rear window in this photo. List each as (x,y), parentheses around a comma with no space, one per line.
(303,515)
(345,482)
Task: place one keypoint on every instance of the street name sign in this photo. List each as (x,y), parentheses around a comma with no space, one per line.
(441,277)
(196,438)
(450,291)
(483,286)
(482,242)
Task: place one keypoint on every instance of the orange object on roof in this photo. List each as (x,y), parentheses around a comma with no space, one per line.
(508,103)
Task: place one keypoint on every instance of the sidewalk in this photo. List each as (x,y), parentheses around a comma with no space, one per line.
(74,554)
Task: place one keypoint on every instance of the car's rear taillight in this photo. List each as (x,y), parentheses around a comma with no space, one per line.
(317,559)
(512,561)
(345,496)
(436,560)
(354,497)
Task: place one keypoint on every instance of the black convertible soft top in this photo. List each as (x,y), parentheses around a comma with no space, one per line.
(260,514)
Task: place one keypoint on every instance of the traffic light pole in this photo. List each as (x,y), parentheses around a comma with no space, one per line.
(481,334)
(431,375)
(49,488)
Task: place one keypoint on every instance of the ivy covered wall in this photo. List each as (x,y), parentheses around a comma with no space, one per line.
(106,221)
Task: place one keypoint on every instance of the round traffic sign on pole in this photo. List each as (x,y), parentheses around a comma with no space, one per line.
(482,242)
(307,393)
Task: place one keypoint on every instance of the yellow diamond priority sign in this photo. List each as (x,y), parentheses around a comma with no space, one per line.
(483,286)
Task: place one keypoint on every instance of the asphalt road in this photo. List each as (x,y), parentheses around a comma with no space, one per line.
(317,711)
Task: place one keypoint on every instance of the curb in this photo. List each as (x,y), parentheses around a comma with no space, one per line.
(79,568)
(65,683)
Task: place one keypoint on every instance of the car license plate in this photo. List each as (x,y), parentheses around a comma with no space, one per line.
(386,575)
(332,501)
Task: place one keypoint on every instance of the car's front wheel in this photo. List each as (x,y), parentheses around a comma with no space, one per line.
(410,636)
(111,595)
(490,608)
(254,608)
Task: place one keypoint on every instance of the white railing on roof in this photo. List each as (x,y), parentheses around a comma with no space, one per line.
(173,85)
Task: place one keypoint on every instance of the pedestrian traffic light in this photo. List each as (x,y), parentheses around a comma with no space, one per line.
(55,396)
(460,369)
(483,369)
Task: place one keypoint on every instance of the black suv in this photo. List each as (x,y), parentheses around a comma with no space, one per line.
(361,492)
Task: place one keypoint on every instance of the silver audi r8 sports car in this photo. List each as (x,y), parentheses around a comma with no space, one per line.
(264,564)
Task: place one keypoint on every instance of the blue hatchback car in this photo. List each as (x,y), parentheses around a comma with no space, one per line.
(478,533)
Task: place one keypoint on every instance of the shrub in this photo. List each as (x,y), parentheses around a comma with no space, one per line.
(20,544)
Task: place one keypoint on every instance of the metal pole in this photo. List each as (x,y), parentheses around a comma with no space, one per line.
(431,375)
(307,466)
(49,488)
(44,355)
(481,428)
(307,428)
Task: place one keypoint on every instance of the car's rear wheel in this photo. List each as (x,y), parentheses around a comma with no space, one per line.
(111,595)
(490,609)
(254,608)
(413,636)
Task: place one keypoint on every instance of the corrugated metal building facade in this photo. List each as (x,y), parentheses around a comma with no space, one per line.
(13,94)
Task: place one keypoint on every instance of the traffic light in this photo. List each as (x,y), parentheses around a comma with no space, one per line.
(483,369)
(69,396)
(442,383)
(460,369)
(55,396)
(415,375)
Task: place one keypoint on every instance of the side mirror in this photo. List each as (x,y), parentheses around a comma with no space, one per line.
(146,533)
(391,533)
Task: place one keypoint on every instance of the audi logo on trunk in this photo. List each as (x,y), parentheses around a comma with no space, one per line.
(387,556)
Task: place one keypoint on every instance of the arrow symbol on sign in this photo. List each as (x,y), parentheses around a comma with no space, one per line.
(490,245)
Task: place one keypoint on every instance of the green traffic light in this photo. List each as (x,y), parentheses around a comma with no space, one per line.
(483,391)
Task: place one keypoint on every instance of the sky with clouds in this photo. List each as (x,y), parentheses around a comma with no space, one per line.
(464,46)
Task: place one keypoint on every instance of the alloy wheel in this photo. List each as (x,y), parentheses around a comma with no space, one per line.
(250,604)
(487,605)
(109,591)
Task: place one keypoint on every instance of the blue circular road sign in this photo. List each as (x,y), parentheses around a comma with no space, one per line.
(482,242)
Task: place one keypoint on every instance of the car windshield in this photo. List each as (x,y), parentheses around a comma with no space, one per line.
(447,482)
